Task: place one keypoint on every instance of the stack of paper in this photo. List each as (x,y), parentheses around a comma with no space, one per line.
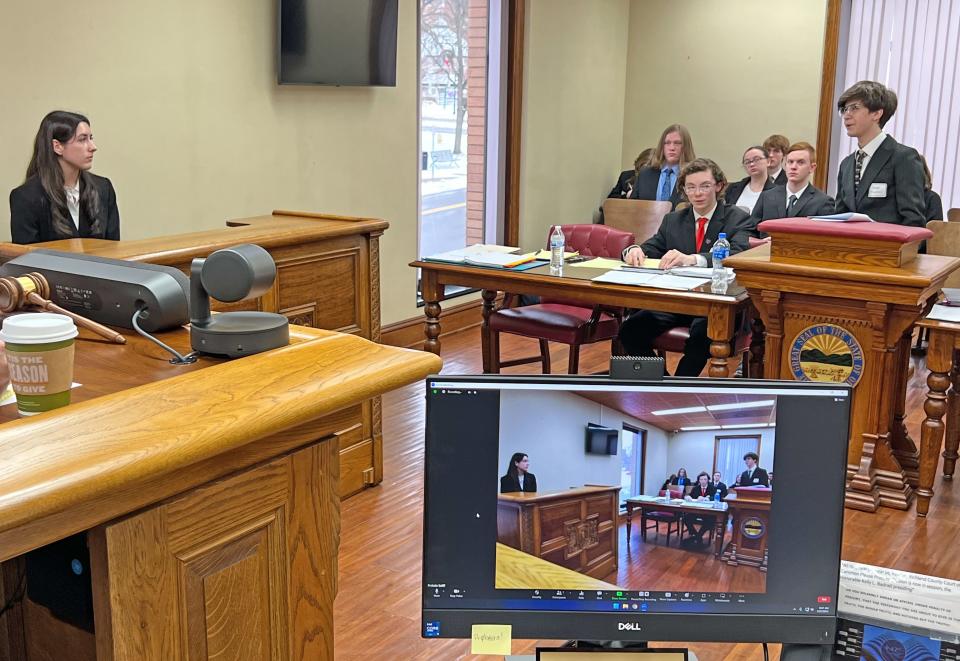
(699,272)
(614,264)
(944,313)
(482,254)
(660,280)
(845,218)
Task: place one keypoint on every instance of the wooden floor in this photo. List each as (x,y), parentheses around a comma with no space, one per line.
(377,611)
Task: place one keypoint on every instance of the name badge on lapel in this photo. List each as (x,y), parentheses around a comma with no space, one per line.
(707,241)
(877,190)
(756,480)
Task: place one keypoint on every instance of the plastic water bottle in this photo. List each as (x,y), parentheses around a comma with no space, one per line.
(716,498)
(557,244)
(721,250)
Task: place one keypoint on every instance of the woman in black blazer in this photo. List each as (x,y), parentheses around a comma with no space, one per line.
(517,477)
(755,162)
(61,198)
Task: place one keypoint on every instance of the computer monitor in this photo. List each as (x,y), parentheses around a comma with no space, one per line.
(755,562)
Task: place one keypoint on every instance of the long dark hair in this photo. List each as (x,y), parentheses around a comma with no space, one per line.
(517,457)
(61,125)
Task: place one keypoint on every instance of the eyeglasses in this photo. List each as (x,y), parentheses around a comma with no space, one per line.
(702,188)
(850,108)
(750,161)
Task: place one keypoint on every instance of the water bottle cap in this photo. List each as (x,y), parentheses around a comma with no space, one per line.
(723,235)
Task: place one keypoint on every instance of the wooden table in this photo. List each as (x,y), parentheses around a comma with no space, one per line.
(207,494)
(517,570)
(576,284)
(943,384)
(697,508)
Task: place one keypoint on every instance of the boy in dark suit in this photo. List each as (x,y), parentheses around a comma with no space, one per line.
(883,178)
(777,147)
(754,476)
(659,179)
(798,197)
(685,238)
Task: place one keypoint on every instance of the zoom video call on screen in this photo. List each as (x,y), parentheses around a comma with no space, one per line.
(735,496)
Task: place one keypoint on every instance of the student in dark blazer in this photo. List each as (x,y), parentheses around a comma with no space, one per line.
(718,485)
(777,146)
(680,479)
(883,178)
(755,161)
(517,477)
(685,238)
(628,178)
(754,476)
(798,197)
(698,526)
(61,198)
(658,181)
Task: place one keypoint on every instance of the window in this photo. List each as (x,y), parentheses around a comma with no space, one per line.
(728,454)
(913,47)
(632,461)
(460,127)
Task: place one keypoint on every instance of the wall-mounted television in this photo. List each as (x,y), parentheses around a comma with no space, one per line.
(601,440)
(337,42)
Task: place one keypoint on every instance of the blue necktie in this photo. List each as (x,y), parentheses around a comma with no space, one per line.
(666,190)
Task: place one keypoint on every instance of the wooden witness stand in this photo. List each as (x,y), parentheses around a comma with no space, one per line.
(328,276)
(839,302)
(208,493)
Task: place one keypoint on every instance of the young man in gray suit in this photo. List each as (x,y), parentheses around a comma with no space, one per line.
(798,197)
(883,178)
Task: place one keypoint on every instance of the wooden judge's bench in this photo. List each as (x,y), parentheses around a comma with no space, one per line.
(838,302)
(328,276)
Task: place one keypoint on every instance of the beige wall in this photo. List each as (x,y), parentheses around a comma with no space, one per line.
(733,72)
(573,99)
(193,129)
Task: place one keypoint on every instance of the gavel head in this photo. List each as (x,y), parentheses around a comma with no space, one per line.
(15,290)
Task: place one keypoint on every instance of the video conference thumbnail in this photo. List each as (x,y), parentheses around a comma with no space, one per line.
(693,472)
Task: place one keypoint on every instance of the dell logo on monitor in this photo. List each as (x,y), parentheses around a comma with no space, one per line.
(628,626)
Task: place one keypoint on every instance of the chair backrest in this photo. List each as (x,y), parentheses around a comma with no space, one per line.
(642,217)
(945,241)
(953,215)
(594,240)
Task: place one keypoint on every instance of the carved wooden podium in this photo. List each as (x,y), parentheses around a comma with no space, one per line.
(838,301)
(207,494)
(750,509)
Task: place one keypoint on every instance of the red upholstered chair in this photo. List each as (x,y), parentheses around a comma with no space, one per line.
(675,340)
(557,320)
(657,517)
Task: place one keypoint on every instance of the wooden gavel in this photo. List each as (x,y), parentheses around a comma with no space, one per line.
(33,289)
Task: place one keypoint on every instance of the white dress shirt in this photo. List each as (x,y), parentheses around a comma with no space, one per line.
(73,202)
(748,198)
(786,203)
(870,149)
(701,260)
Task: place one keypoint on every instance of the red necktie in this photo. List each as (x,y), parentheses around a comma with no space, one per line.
(701,231)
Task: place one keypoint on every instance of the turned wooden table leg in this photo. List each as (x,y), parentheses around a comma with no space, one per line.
(939,359)
(952,441)
(719,352)
(486,345)
(431,327)
(629,520)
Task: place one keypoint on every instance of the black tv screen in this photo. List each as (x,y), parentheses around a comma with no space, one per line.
(601,440)
(758,564)
(337,42)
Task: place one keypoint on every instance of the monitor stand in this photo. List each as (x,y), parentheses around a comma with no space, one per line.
(792,652)
(622,645)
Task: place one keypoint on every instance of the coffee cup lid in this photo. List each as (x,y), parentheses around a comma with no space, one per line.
(37,328)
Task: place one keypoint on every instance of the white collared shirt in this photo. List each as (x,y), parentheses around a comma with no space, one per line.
(799,193)
(520,480)
(870,149)
(73,202)
(774,175)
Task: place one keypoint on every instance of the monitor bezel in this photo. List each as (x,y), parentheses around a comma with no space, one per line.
(593,625)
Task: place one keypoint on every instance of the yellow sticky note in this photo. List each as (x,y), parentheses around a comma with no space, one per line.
(491,639)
